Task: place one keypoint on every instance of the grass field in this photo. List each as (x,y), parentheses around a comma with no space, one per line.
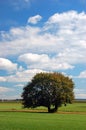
(75,107)
(13,117)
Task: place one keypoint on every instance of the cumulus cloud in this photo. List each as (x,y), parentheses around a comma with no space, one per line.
(72,56)
(34,58)
(62,36)
(43,61)
(59,45)
(82,74)
(35,19)
(7,65)
(67,20)
(23,76)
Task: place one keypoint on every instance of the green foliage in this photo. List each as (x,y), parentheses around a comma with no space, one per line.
(48,89)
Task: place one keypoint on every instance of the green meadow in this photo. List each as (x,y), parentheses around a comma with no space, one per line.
(14,117)
(17,106)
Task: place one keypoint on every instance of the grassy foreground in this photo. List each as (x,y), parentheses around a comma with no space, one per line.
(41,121)
(37,120)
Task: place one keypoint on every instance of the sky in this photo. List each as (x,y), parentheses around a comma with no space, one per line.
(41,36)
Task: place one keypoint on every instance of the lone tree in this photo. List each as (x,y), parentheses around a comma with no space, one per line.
(48,89)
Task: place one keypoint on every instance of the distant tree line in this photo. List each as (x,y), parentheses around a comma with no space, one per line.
(10,100)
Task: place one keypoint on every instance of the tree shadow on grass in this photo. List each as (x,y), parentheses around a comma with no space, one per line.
(25,111)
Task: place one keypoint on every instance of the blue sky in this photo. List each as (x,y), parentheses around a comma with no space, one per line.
(41,36)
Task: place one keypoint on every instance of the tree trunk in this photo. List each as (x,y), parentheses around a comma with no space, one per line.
(52,110)
(56,107)
(49,109)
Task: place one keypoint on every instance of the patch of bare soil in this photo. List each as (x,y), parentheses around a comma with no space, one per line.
(41,111)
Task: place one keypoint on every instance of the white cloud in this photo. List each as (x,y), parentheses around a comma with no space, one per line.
(5,89)
(7,65)
(82,74)
(20,85)
(59,44)
(2,79)
(67,20)
(80,96)
(34,58)
(19,40)
(80,93)
(23,76)
(35,19)
(62,36)
(43,61)
(72,56)
(10,97)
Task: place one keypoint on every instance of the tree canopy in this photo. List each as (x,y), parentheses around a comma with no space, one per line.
(49,90)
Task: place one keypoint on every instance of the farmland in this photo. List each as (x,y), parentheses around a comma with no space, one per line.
(14,117)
